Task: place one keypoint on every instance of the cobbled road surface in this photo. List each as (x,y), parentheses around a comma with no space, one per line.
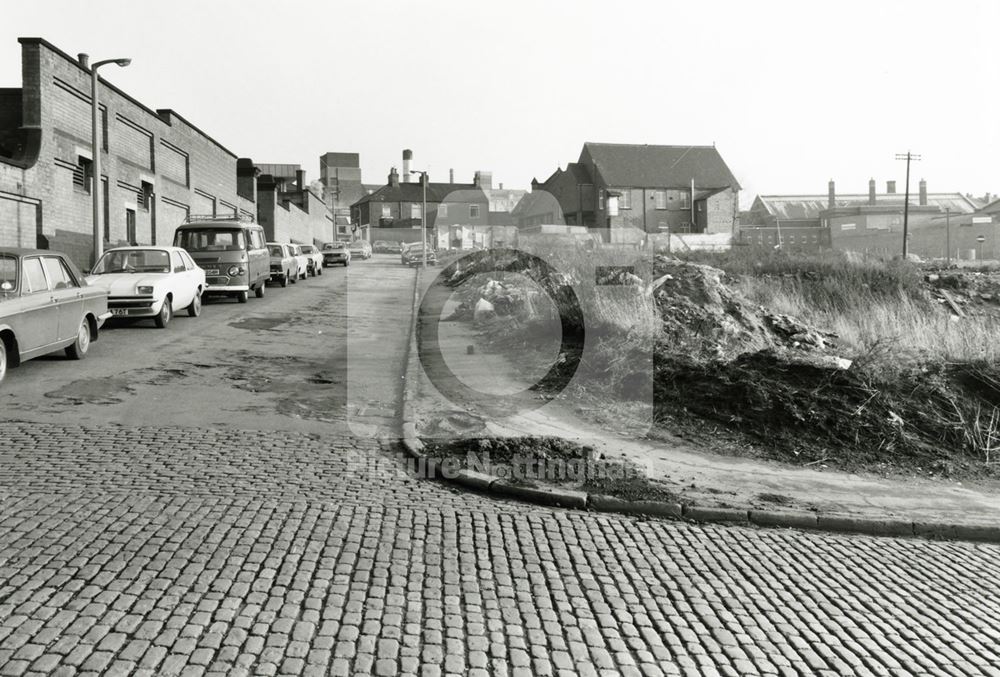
(168,509)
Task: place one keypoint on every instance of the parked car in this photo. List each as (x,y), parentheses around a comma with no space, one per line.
(45,305)
(360,249)
(315,258)
(231,251)
(413,254)
(150,282)
(301,260)
(394,248)
(284,266)
(336,253)
(381,247)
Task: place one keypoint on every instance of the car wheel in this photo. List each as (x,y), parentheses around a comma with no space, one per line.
(81,345)
(3,360)
(319,271)
(241,297)
(194,310)
(166,312)
(259,291)
(293,278)
(284,280)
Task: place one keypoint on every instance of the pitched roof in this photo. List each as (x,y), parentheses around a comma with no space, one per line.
(644,166)
(808,207)
(436,192)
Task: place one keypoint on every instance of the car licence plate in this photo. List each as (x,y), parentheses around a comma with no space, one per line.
(212,271)
(119,311)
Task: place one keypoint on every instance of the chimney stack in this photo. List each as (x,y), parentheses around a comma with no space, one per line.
(871,191)
(407,156)
(451,176)
(890,187)
(393,177)
(832,195)
(923,193)
(84,60)
(300,178)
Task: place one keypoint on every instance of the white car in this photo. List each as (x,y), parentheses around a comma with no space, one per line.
(315,258)
(149,282)
(302,259)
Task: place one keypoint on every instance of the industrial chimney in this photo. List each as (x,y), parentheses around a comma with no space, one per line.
(832,195)
(871,191)
(451,176)
(84,60)
(407,156)
(300,178)
(890,187)
(923,193)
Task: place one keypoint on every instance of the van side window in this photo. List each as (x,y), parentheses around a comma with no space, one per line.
(259,239)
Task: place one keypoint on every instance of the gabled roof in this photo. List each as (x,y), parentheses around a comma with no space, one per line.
(808,207)
(436,192)
(644,166)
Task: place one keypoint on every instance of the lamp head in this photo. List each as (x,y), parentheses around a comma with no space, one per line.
(123,62)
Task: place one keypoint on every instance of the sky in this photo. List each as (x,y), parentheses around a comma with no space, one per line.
(792,93)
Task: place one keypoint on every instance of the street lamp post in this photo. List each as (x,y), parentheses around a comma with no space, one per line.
(423,216)
(96,150)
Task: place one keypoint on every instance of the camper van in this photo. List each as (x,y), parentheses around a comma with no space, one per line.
(231,250)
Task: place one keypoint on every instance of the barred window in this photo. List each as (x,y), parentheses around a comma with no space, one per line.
(83,173)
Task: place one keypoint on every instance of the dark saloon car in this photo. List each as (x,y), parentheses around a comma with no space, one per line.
(45,305)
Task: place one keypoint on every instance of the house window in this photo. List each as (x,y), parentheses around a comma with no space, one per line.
(83,173)
(685,198)
(660,199)
(386,211)
(443,210)
(473,211)
(415,211)
(625,200)
(144,197)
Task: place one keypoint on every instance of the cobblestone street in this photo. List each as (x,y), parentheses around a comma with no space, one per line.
(294,547)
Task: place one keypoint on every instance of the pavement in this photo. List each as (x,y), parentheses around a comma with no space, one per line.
(198,501)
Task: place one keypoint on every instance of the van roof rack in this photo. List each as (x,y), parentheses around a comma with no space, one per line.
(242,218)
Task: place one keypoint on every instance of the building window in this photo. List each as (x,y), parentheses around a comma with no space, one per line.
(443,210)
(685,198)
(415,211)
(386,211)
(83,173)
(144,197)
(473,211)
(660,199)
(625,200)
(130,226)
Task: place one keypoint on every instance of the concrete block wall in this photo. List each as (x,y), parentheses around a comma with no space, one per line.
(190,172)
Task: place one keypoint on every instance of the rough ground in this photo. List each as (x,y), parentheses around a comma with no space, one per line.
(202,526)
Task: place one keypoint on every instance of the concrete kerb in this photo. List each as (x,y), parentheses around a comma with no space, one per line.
(746,516)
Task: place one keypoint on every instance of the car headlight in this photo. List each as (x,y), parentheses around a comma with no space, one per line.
(235,270)
(144,290)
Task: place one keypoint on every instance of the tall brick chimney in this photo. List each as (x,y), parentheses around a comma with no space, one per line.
(890,187)
(393,177)
(451,176)
(871,191)
(923,193)
(407,156)
(831,195)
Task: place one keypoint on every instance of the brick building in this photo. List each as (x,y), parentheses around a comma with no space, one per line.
(870,223)
(289,209)
(340,174)
(680,189)
(156,167)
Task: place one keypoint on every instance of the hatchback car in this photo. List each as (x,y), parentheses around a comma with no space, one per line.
(284,267)
(360,249)
(153,282)
(301,261)
(336,253)
(413,255)
(315,259)
(45,305)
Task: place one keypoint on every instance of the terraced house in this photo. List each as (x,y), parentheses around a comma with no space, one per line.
(157,168)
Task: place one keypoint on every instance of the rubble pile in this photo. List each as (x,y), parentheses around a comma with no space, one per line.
(966,293)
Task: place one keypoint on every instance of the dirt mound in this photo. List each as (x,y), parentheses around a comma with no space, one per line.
(702,314)
(974,293)
(806,409)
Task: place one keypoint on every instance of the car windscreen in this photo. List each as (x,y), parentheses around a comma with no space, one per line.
(8,274)
(308,249)
(133,261)
(210,239)
(276,250)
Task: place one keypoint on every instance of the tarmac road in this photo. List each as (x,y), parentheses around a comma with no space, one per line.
(226,497)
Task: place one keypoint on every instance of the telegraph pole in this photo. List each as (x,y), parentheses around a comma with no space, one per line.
(947,236)
(906,200)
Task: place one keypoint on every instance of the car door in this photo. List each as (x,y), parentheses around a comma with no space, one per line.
(195,275)
(67,295)
(40,319)
(179,282)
